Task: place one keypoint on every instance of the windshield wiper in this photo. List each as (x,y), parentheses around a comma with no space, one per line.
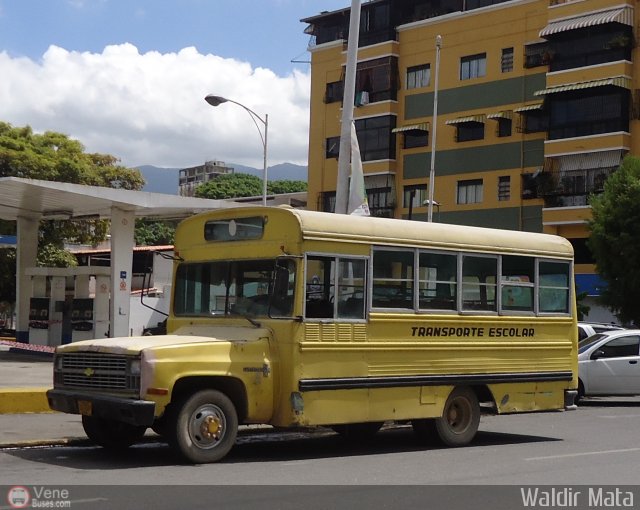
(244,316)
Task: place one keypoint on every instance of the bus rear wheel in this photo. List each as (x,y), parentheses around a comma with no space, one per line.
(204,426)
(460,418)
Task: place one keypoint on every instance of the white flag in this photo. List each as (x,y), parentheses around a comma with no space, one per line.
(357,205)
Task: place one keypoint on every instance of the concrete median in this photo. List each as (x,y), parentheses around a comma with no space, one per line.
(24,400)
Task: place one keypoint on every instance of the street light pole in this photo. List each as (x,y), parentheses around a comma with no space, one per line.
(218,100)
(432,171)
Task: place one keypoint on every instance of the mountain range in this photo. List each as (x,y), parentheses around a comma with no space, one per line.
(165,180)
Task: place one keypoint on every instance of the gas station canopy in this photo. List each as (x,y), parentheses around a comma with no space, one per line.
(27,201)
(31,198)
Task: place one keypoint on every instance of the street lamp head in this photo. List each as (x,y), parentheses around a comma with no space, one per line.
(215,100)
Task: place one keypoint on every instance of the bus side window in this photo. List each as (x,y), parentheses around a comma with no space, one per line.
(392,279)
(437,281)
(554,286)
(351,288)
(319,287)
(479,276)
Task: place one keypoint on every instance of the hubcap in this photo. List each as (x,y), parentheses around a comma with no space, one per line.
(207,426)
(459,415)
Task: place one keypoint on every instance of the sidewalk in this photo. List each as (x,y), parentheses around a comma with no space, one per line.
(26,373)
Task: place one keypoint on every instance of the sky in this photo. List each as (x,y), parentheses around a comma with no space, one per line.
(129,77)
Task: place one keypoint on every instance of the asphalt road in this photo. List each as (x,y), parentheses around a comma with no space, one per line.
(593,446)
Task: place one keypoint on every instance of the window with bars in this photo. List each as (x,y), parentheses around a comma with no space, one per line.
(506,63)
(469,191)
(504,188)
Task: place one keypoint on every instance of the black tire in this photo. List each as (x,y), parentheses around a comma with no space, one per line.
(425,430)
(580,395)
(203,427)
(460,418)
(358,431)
(110,434)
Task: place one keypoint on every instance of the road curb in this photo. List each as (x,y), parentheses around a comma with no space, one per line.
(24,400)
(41,443)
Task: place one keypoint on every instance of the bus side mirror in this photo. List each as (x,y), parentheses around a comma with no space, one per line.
(281,285)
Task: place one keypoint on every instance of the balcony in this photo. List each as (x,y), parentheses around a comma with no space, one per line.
(571,188)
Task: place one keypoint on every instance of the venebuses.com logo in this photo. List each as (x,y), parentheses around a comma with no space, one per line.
(18,497)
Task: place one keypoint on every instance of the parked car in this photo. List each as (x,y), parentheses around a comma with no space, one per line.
(586,329)
(609,364)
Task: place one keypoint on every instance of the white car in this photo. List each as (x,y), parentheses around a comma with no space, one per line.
(586,329)
(609,364)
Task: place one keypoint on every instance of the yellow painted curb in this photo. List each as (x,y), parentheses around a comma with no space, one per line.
(24,400)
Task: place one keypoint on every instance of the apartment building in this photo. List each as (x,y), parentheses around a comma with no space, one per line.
(190,178)
(537,106)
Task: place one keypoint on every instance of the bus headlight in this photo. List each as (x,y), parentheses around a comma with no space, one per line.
(134,367)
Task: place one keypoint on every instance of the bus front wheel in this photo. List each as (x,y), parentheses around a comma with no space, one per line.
(460,418)
(204,426)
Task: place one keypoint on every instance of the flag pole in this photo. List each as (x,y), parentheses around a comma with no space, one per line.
(348,100)
(432,171)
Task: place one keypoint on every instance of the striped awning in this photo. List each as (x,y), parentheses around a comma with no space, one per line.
(470,118)
(423,126)
(623,15)
(586,160)
(529,108)
(616,81)
(507,114)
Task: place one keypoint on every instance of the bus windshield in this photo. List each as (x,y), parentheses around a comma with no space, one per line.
(244,287)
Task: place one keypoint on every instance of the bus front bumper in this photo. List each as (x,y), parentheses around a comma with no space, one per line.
(134,412)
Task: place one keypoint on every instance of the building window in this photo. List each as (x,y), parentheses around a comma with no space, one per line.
(470,191)
(473,66)
(334,92)
(375,138)
(332,147)
(414,196)
(504,127)
(534,122)
(507,60)
(588,112)
(468,131)
(418,76)
(415,138)
(376,80)
(327,201)
(536,55)
(504,188)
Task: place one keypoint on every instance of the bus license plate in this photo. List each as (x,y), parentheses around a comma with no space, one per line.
(85,407)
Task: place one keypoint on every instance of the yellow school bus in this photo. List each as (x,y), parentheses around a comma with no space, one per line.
(300,319)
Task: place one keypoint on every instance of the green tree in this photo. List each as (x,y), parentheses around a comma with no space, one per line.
(615,240)
(154,233)
(230,186)
(284,186)
(245,185)
(54,156)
